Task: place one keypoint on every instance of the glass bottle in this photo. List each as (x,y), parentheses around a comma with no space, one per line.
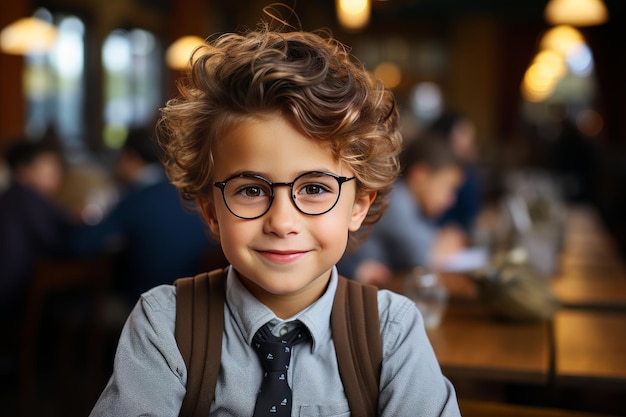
(430,296)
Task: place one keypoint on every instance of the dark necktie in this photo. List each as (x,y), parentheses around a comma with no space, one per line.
(274,397)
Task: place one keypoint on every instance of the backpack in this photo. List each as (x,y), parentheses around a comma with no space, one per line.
(354,322)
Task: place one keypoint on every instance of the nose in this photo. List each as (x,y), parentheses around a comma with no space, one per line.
(282,218)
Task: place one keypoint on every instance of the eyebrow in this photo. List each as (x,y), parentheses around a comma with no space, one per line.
(267,177)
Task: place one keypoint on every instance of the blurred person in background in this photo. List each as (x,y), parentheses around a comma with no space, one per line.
(153,237)
(32,224)
(457,222)
(406,236)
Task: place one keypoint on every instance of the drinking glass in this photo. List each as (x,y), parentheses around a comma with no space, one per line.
(431,297)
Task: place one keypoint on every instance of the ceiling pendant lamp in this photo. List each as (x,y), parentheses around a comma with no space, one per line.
(28,35)
(353,15)
(178,55)
(576,12)
(561,39)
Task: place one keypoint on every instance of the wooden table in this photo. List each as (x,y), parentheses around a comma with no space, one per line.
(471,344)
(592,273)
(590,347)
(583,347)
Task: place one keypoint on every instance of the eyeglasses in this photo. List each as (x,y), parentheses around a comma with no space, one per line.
(250,196)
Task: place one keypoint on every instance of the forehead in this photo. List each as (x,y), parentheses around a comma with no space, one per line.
(47,159)
(450,174)
(273,147)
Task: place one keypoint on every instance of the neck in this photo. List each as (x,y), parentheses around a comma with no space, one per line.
(288,305)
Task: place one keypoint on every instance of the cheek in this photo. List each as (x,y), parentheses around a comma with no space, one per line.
(332,228)
(436,201)
(234,236)
(49,179)
(331,236)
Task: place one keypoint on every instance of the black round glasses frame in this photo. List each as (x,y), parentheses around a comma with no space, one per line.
(340,181)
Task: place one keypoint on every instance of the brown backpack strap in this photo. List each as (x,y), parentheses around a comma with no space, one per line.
(356,332)
(355,327)
(200,340)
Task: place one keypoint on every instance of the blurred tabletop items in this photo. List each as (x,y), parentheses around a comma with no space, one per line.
(557,342)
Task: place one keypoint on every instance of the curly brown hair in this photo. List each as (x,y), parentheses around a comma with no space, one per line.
(307,77)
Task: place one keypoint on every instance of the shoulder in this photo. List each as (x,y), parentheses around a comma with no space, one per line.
(151,325)
(160,188)
(160,299)
(18,194)
(402,207)
(394,307)
(156,308)
(400,322)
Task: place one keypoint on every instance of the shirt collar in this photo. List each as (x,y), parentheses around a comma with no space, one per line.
(250,314)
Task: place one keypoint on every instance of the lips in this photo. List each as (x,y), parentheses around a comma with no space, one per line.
(283,256)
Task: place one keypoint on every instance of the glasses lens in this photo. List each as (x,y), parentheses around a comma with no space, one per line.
(247,197)
(316,193)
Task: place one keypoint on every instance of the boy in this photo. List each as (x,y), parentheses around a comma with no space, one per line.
(288,147)
(406,236)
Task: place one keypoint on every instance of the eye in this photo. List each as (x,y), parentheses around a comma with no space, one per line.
(312,189)
(244,188)
(252,191)
(315,189)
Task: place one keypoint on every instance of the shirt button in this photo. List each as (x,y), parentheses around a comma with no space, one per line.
(283,330)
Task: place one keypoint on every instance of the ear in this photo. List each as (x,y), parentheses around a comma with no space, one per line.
(360,208)
(207,208)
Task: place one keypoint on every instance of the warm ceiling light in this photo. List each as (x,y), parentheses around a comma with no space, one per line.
(561,39)
(389,73)
(543,75)
(353,14)
(28,35)
(178,55)
(553,63)
(538,84)
(576,12)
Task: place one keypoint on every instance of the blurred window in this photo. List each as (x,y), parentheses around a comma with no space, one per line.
(426,101)
(132,81)
(54,83)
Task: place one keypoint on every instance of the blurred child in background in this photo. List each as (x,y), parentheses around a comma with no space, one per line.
(32,224)
(153,236)
(458,221)
(406,236)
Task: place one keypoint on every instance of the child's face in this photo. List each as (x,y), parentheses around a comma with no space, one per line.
(436,189)
(283,257)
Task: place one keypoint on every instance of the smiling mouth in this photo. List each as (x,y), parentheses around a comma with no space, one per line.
(283,256)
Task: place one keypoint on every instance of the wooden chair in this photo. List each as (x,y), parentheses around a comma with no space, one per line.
(83,279)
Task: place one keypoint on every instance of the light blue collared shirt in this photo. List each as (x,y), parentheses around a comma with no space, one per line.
(149,374)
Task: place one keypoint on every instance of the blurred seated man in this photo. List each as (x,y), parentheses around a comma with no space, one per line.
(32,225)
(459,131)
(406,236)
(156,239)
